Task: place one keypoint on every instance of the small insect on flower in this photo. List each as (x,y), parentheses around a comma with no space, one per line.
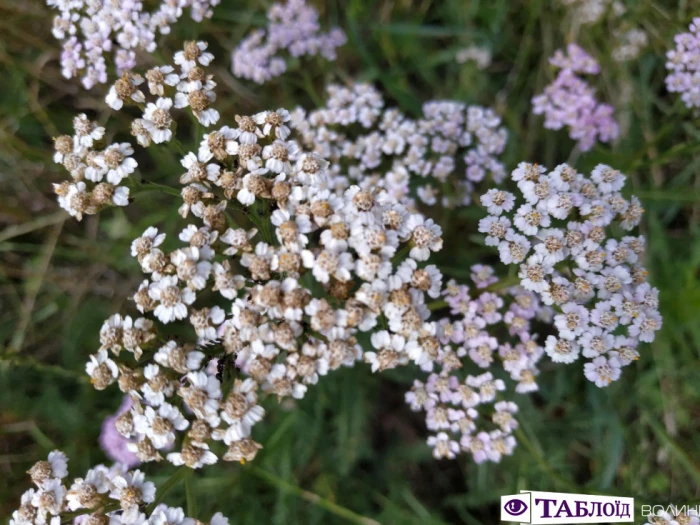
(227,362)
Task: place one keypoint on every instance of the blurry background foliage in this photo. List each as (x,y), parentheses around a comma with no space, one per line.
(352,451)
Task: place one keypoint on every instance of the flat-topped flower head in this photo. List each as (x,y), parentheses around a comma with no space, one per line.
(108,495)
(450,144)
(94,34)
(570,101)
(577,265)
(293,28)
(683,64)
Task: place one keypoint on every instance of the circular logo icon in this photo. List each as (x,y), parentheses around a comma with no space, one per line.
(515,507)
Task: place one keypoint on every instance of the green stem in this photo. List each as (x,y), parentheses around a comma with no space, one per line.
(8,361)
(310,90)
(142,187)
(179,147)
(437,305)
(191,499)
(259,214)
(401,254)
(197,134)
(27,227)
(318,335)
(502,284)
(108,507)
(181,473)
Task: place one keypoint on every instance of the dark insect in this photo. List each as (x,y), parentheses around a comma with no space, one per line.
(225,361)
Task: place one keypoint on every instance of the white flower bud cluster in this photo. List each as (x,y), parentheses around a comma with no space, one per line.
(628,41)
(105,496)
(561,232)
(437,158)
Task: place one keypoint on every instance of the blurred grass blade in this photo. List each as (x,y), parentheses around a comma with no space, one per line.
(675,449)
(311,497)
(40,222)
(430,31)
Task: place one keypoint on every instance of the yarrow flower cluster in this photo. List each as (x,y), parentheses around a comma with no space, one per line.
(293,28)
(629,44)
(683,64)
(481,56)
(589,12)
(278,273)
(464,402)
(674,516)
(628,40)
(569,100)
(288,258)
(302,249)
(560,231)
(91,29)
(302,242)
(436,158)
(96,172)
(105,495)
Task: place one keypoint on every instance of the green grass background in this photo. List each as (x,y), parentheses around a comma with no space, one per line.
(351,451)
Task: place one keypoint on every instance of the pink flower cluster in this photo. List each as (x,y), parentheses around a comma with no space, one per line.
(684,66)
(466,404)
(90,29)
(569,100)
(293,27)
